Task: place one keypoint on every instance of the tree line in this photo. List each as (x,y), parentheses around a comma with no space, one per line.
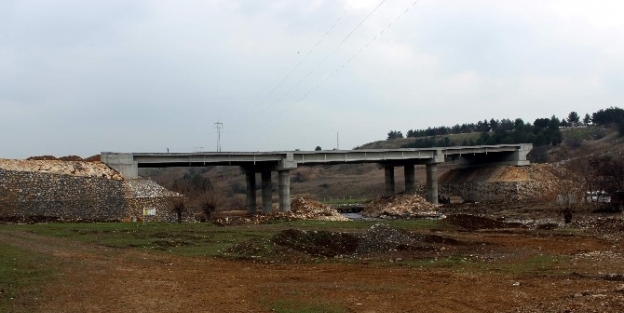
(543,131)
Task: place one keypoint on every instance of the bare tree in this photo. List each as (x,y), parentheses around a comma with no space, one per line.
(208,201)
(570,189)
(178,206)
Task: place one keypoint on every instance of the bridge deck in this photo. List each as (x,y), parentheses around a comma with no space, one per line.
(417,156)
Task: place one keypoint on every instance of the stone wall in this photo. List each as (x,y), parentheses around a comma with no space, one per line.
(45,196)
(61,197)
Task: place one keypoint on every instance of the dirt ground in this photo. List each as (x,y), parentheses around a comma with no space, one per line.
(585,274)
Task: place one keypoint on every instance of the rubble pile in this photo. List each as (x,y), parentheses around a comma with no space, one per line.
(301,209)
(610,225)
(72,168)
(400,206)
(306,209)
(382,238)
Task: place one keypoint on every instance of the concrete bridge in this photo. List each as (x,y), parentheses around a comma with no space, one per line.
(283,162)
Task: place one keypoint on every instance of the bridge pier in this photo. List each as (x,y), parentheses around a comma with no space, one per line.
(267,192)
(250,176)
(432,183)
(389,174)
(284,190)
(410,179)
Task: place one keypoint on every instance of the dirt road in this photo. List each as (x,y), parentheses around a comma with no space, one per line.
(100,279)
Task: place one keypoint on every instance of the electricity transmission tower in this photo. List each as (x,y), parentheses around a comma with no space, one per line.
(219,127)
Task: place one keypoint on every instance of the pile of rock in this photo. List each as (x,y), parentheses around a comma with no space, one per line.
(383,238)
(72,168)
(400,206)
(306,209)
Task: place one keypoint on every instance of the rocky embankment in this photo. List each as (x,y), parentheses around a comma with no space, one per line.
(536,182)
(71,168)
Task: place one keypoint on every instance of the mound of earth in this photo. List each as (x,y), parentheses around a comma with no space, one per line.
(474,222)
(378,240)
(306,209)
(73,168)
(400,206)
(317,243)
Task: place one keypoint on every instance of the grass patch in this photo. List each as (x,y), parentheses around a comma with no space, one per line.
(195,239)
(444,262)
(22,276)
(537,264)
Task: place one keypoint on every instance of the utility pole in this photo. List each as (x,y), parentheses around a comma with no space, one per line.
(337,141)
(219,126)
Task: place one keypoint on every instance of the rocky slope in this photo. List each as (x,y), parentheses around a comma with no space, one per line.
(72,168)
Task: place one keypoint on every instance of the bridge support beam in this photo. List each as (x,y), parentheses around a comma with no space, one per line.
(432,183)
(284,190)
(267,189)
(250,176)
(389,174)
(410,179)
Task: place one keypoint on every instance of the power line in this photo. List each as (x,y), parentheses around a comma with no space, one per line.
(339,68)
(362,22)
(312,48)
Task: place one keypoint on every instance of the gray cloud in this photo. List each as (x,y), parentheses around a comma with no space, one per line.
(82,77)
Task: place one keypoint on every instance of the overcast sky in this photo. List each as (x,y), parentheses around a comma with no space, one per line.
(81,77)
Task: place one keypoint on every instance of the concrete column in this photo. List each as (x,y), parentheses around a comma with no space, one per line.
(284,191)
(432,183)
(251,191)
(267,196)
(389,169)
(410,179)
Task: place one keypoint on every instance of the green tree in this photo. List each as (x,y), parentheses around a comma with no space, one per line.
(318,148)
(587,119)
(573,118)
(393,134)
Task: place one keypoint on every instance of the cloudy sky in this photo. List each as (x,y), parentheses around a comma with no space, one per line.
(81,77)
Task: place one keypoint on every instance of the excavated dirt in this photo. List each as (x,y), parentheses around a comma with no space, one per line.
(379,242)
(405,206)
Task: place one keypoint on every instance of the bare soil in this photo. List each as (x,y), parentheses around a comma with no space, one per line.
(488,269)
